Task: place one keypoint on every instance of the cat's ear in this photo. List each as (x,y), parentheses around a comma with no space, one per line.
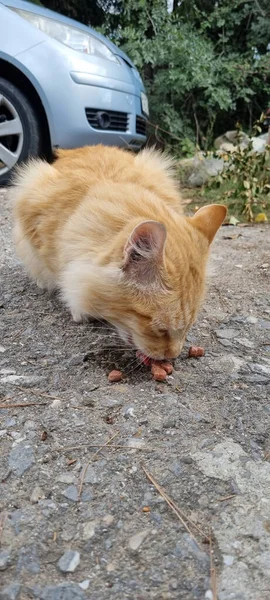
(208,219)
(143,253)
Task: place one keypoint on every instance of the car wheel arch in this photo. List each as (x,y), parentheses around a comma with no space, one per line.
(20,79)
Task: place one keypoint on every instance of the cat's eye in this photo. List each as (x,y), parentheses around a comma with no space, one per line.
(163,331)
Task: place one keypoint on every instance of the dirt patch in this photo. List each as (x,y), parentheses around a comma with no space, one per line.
(79,520)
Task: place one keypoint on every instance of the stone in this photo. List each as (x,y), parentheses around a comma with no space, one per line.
(11,592)
(28,559)
(21,458)
(90,475)
(225,343)
(62,591)
(176,468)
(71,493)
(37,494)
(2,349)
(245,342)
(261,369)
(10,422)
(187,546)
(69,561)
(137,539)
(84,585)
(242,520)
(129,412)
(135,443)
(89,530)
(22,379)
(170,423)
(65,478)
(227,333)
(252,320)
(4,559)
(256,378)
(230,140)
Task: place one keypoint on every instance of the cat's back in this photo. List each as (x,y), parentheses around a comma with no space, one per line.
(148,169)
(62,186)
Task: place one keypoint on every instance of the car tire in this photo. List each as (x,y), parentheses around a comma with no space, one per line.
(20,134)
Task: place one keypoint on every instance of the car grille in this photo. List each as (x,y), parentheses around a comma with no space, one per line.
(107,120)
(140,125)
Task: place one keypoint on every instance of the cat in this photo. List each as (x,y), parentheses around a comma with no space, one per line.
(106,228)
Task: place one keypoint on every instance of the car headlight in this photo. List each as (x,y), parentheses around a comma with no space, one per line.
(70,36)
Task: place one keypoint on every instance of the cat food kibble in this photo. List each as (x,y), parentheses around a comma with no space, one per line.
(167,366)
(196,351)
(158,372)
(115,376)
(159,369)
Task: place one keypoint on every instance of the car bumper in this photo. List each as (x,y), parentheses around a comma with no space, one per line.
(79,124)
(72,89)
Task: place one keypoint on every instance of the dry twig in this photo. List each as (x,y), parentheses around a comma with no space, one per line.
(38,393)
(181,516)
(226,498)
(22,405)
(115,446)
(92,457)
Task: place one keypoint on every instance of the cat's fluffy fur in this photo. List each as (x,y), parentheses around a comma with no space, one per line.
(107,229)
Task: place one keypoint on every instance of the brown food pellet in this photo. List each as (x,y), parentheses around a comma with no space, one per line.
(115,376)
(167,367)
(146,509)
(158,372)
(196,351)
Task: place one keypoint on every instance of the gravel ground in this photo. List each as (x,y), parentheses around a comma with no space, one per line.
(78,521)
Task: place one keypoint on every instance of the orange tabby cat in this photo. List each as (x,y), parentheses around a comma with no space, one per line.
(106,228)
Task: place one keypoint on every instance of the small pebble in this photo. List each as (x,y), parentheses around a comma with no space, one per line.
(227,333)
(228,560)
(84,585)
(137,539)
(89,530)
(21,458)
(37,494)
(129,412)
(4,559)
(69,561)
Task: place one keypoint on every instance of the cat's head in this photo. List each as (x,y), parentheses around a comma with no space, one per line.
(163,281)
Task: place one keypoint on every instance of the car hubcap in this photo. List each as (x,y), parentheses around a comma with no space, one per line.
(11,135)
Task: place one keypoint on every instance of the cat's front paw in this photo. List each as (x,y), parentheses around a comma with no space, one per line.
(78,317)
(81,317)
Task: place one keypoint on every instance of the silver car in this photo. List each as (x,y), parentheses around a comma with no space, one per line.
(62,84)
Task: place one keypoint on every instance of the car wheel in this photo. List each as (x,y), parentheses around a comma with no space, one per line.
(20,135)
